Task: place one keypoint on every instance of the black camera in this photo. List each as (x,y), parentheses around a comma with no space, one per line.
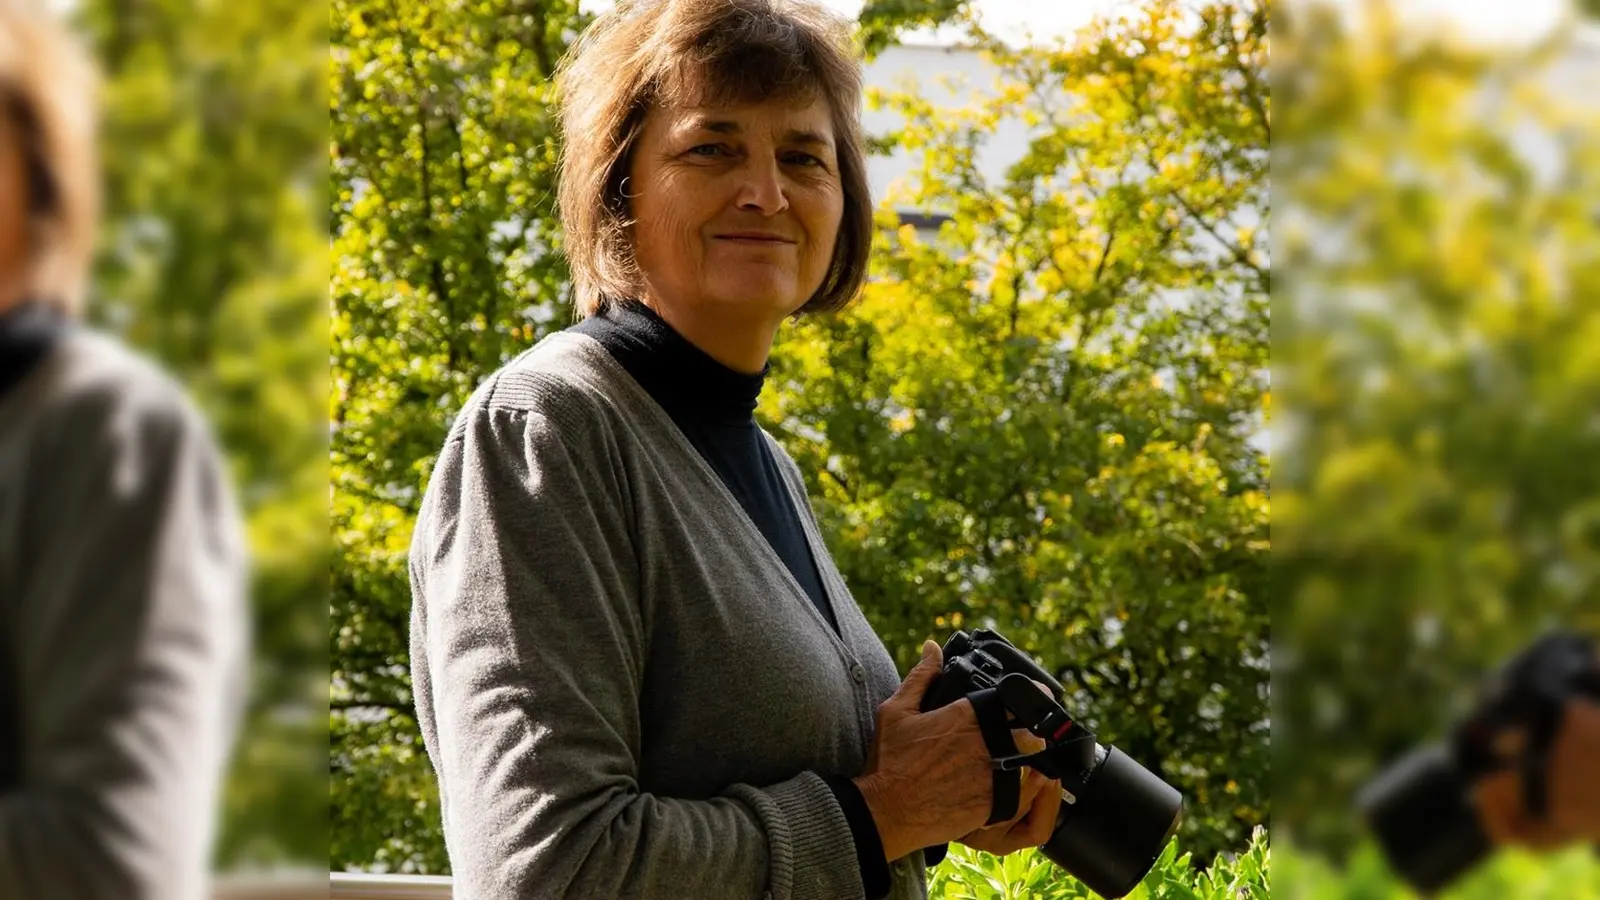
(1116,815)
(1421,808)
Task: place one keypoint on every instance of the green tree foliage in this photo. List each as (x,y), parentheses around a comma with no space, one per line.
(213,263)
(883,22)
(445,249)
(1435,343)
(1042,419)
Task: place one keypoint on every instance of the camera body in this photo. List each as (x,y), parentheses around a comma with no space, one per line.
(1421,807)
(1116,816)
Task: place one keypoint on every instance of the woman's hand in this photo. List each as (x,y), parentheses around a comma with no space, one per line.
(929,778)
(1574,794)
(1034,823)
(1037,807)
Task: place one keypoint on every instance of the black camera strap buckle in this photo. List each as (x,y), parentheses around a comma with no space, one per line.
(1044,761)
(1016,702)
(1036,711)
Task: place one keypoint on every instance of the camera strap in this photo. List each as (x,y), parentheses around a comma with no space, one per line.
(1545,717)
(996,733)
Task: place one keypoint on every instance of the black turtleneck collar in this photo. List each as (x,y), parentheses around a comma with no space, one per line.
(27,332)
(685,380)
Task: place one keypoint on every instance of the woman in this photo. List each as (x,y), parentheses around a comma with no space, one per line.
(122,570)
(637,671)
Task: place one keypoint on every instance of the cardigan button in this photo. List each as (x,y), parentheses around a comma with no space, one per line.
(858,673)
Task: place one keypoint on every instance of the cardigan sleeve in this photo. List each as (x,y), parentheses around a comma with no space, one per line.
(875,876)
(130,665)
(529,643)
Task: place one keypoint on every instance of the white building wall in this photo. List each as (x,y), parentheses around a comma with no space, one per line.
(949,77)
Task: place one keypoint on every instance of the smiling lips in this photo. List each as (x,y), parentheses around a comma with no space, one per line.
(755,238)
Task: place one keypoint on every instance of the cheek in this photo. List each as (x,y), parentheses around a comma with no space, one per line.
(826,219)
(666,231)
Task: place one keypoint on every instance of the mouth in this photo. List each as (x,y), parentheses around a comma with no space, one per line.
(754,238)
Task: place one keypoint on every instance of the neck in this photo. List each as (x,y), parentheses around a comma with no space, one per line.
(742,346)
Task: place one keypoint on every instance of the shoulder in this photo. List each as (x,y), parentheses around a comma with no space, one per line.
(564,383)
(114,450)
(562,416)
(97,397)
(541,436)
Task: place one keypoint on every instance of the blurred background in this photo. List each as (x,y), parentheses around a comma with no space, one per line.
(1045,415)
(1436,371)
(213,261)
(1050,412)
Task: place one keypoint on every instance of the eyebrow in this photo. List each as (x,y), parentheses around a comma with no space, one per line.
(798,136)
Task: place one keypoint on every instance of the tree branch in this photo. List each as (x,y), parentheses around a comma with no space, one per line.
(1252,94)
(491,307)
(434,264)
(841,481)
(390,705)
(1238,253)
(534,38)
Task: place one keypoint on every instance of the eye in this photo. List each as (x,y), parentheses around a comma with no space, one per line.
(802,159)
(708,150)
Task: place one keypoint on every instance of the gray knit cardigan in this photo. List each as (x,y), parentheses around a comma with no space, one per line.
(622,689)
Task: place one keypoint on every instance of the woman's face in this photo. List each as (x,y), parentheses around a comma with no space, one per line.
(13,209)
(737,208)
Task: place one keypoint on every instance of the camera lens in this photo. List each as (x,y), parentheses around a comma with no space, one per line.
(1124,815)
(1421,812)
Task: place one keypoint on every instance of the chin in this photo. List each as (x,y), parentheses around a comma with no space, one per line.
(775,298)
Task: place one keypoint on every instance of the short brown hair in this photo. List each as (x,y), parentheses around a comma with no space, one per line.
(48,92)
(645,53)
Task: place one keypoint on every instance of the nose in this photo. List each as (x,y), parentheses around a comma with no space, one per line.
(761,188)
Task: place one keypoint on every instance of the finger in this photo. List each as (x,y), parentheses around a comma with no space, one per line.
(1506,821)
(1040,824)
(1036,783)
(1030,828)
(910,692)
(1026,741)
(979,834)
(985,839)
(1497,805)
(996,839)
(957,716)
(1033,783)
